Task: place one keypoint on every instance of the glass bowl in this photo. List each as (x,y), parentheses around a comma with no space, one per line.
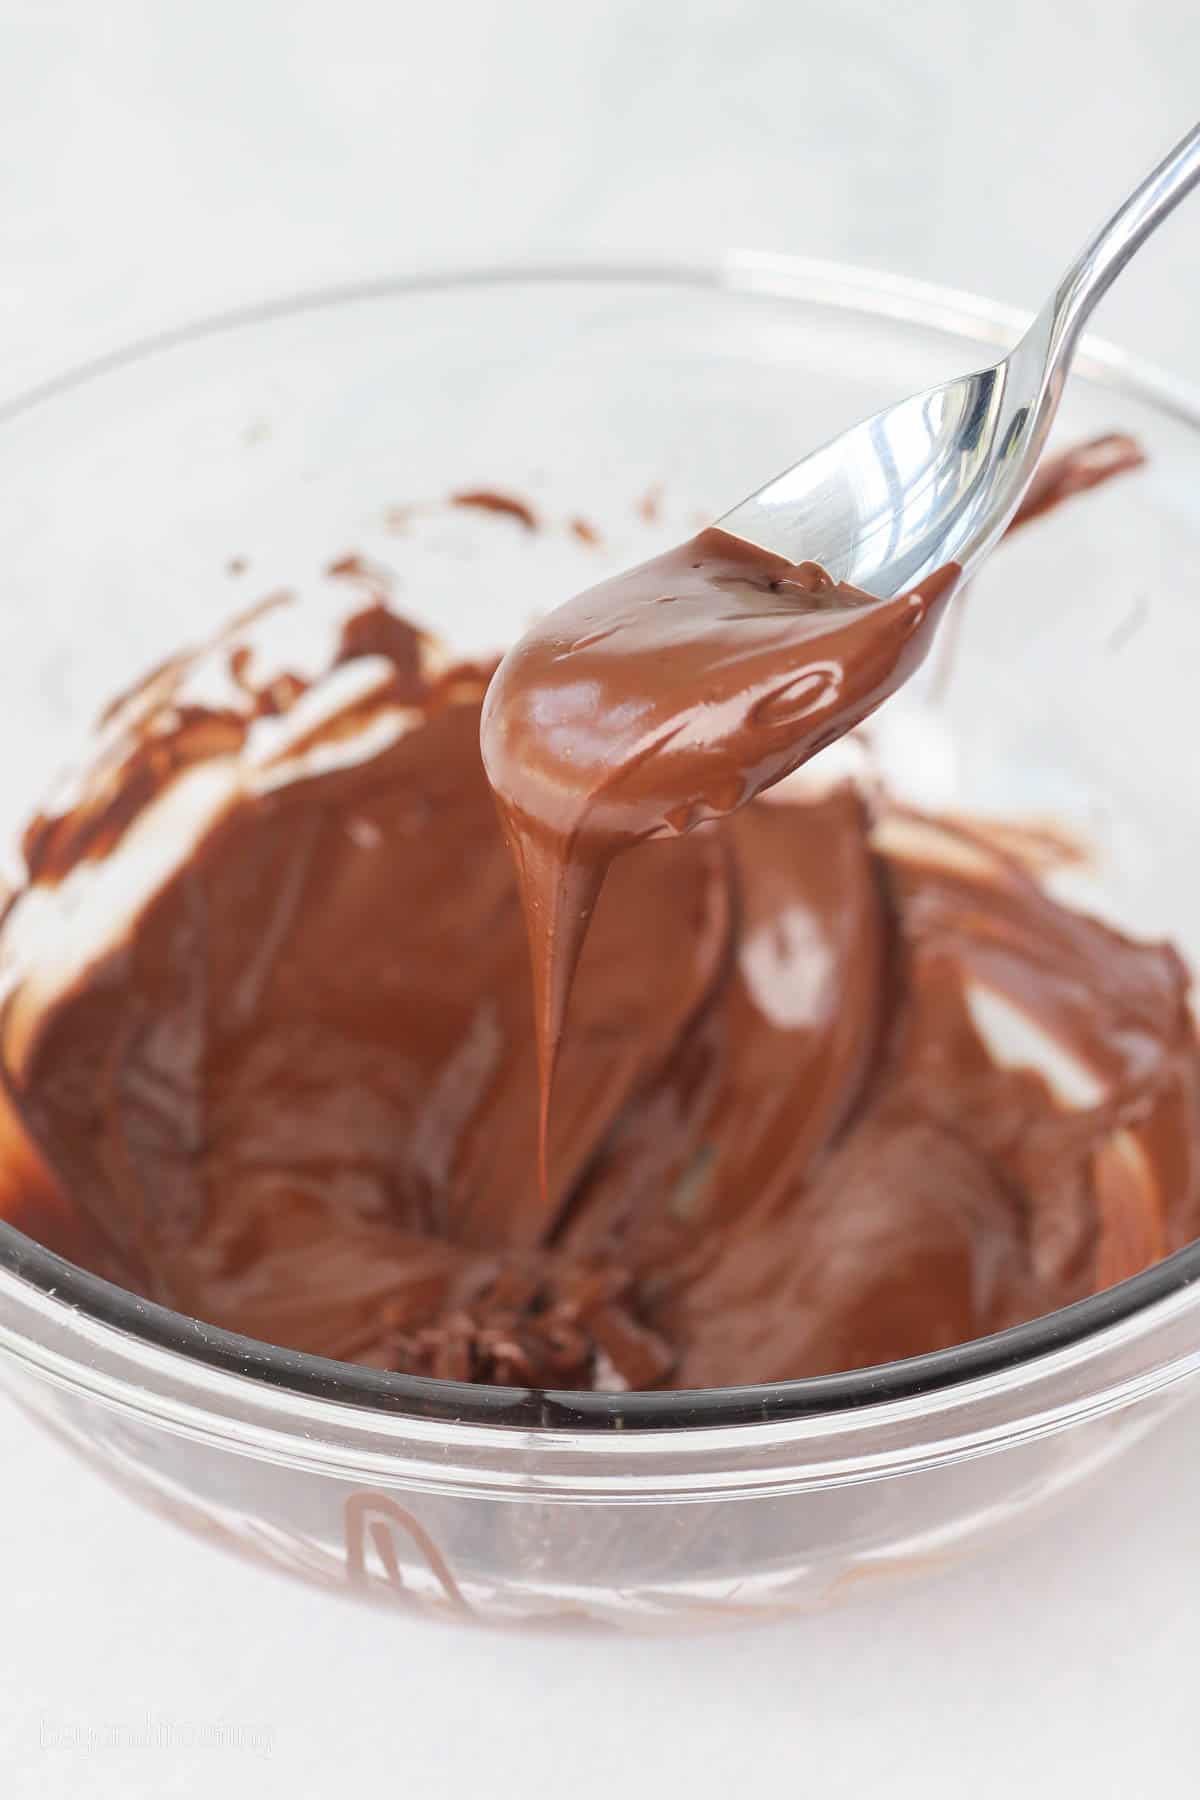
(149,496)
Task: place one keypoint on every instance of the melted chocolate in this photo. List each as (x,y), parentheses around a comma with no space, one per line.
(840,1083)
(667,698)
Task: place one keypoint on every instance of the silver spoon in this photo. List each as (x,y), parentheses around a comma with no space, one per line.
(937,477)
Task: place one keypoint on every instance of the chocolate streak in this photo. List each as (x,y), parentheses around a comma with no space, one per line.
(840,1083)
(487,500)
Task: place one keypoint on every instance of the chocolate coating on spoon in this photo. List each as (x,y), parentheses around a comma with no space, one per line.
(666,698)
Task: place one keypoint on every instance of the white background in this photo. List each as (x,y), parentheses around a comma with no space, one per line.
(166,158)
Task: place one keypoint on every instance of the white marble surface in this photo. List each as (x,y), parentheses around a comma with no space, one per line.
(159,160)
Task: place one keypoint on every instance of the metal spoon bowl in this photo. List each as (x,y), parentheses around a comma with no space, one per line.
(936,478)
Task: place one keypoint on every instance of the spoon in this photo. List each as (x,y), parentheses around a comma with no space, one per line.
(936,478)
(673,694)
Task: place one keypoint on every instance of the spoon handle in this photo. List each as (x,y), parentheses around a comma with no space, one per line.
(1120,237)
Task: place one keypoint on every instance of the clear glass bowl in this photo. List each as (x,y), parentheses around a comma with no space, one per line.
(291,434)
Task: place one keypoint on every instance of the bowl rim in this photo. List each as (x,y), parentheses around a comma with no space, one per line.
(836,287)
